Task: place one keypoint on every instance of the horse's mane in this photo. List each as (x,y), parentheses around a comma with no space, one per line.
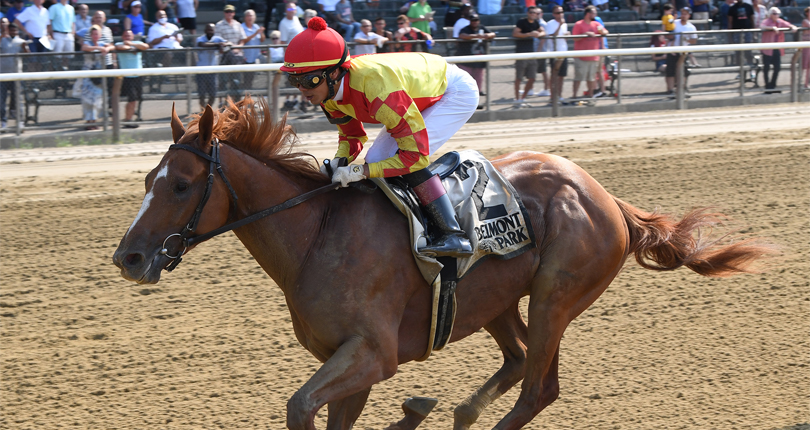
(245,126)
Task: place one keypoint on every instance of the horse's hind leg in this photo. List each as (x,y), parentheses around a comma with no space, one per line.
(510,332)
(344,412)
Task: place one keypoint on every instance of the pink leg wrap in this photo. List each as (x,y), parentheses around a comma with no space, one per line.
(429,190)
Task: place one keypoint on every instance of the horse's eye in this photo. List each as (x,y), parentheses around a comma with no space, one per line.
(181,187)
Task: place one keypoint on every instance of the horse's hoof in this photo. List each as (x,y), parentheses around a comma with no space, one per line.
(419,405)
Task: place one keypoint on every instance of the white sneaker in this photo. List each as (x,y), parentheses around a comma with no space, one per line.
(3,124)
(531,93)
(544,93)
(520,103)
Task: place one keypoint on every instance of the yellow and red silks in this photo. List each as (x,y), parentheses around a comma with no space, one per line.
(390,89)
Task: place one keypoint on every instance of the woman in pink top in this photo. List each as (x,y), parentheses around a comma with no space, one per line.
(806,51)
(771,33)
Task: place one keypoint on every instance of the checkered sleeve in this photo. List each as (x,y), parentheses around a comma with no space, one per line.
(399,114)
(351,137)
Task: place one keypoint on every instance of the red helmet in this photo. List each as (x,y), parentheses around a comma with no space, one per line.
(318,47)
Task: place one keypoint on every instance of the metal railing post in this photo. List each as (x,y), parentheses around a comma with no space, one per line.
(795,75)
(189,56)
(741,60)
(680,80)
(488,81)
(619,72)
(105,104)
(274,95)
(555,83)
(22,110)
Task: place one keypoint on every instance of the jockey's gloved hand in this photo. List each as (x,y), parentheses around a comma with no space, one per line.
(333,164)
(347,174)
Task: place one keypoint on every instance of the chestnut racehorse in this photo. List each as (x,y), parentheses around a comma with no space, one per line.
(357,300)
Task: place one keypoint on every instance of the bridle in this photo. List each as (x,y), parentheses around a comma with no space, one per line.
(186,238)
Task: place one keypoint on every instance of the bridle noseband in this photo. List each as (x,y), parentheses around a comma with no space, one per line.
(186,238)
(214,162)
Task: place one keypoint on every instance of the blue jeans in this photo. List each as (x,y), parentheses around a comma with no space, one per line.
(349,30)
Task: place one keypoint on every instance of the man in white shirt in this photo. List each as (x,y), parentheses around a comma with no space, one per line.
(34,22)
(164,35)
(290,26)
(681,26)
(557,27)
(464,21)
(367,40)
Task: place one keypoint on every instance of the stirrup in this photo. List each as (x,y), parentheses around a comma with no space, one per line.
(455,245)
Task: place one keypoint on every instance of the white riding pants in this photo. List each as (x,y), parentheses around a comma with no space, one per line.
(442,120)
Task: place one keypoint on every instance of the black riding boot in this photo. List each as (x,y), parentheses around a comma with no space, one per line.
(451,241)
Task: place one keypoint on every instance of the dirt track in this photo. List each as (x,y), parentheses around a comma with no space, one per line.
(212,345)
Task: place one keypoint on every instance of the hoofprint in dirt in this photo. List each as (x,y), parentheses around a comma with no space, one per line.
(213,345)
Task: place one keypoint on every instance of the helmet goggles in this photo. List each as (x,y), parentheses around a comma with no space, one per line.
(307,81)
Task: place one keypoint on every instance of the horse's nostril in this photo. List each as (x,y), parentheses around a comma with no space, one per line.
(133,260)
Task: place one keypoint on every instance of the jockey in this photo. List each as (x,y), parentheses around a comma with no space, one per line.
(420,99)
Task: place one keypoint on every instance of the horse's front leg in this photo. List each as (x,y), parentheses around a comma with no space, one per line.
(344,412)
(357,365)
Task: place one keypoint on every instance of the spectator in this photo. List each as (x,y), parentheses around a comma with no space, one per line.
(91,91)
(773,57)
(164,35)
(639,7)
(421,15)
(542,68)
(668,18)
(741,17)
(33,22)
(290,26)
(270,9)
(525,31)
(207,83)
(406,32)
(309,14)
(603,4)
(585,68)
(463,20)
(100,19)
(806,51)
(152,7)
(576,5)
(230,29)
(455,10)
(490,7)
(473,37)
(658,41)
(367,41)
(83,20)
(10,43)
(700,11)
(554,28)
(134,20)
(601,71)
(130,57)
(760,14)
(17,6)
(676,39)
(345,19)
(276,54)
(254,36)
(327,9)
(379,29)
(187,14)
(62,28)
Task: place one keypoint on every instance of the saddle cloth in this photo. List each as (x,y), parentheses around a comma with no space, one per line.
(488,207)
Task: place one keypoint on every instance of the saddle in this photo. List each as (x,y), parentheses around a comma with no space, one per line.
(489,211)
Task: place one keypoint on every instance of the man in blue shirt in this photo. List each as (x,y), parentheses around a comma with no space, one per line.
(207,83)
(130,57)
(63,18)
(15,9)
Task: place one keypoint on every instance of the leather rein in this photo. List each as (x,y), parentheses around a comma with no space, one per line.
(215,163)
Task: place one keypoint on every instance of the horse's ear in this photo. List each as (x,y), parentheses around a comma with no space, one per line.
(206,126)
(177,127)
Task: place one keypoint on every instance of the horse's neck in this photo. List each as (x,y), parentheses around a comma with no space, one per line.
(280,242)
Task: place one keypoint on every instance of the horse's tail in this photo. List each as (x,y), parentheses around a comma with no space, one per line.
(661,242)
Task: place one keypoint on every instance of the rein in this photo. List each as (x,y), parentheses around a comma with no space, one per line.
(215,164)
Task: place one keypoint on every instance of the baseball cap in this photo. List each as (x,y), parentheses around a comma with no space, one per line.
(229,8)
(474,17)
(135,3)
(686,9)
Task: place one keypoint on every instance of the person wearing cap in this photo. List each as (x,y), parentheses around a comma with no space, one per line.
(771,34)
(228,28)
(419,99)
(134,20)
(676,39)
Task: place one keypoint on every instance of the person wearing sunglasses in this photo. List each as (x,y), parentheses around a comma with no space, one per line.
(773,31)
(419,99)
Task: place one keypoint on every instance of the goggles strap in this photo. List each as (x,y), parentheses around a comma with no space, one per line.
(330,83)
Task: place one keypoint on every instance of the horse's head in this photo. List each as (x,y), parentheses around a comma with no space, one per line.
(175,189)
